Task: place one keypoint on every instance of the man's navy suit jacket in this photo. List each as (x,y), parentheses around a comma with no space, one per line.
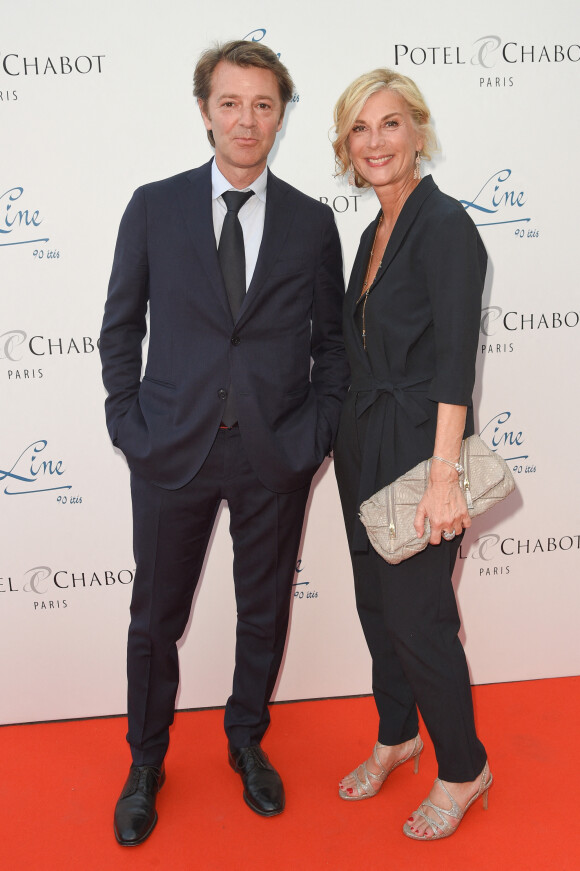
(284,355)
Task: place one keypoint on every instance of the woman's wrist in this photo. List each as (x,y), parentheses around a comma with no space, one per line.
(454,464)
(451,480)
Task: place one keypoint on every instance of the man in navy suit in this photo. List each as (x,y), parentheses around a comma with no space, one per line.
(239,401)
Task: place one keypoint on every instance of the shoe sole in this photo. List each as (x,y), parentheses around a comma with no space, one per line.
(346,797)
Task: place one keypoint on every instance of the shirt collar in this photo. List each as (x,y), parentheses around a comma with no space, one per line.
(220,184)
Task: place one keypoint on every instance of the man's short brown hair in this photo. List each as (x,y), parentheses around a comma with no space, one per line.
(243,53)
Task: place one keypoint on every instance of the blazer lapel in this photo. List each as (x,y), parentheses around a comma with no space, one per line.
(279,211)
(405,220)
(408,214)
(361,263)
(195,200)
(353,295)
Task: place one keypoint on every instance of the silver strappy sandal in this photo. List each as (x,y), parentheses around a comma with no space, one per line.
(367,788)
(439,822)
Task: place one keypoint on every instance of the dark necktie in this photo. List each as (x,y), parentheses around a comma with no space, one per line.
(232,258)
(231,254)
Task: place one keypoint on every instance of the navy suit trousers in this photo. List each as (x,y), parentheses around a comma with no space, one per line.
(171,531)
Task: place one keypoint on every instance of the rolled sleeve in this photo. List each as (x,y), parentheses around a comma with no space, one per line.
(456,264)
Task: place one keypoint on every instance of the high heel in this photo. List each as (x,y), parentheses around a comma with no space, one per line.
(367,789)
(440,826)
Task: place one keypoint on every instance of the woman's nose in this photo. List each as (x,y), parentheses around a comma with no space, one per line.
(376,136)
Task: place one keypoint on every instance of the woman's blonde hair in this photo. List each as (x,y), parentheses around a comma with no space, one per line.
(350,103)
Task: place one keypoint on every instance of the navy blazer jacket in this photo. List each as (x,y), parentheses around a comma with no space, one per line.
(284,355)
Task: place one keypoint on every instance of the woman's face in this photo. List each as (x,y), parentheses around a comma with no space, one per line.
(383,141)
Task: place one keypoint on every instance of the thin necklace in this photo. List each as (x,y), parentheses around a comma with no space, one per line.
(366,286)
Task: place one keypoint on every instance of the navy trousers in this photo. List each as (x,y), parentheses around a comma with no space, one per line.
(171,531)
(410,619)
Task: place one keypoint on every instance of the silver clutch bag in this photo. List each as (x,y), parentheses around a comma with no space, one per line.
(388,515)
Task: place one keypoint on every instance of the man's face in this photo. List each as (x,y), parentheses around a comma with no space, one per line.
(244,112)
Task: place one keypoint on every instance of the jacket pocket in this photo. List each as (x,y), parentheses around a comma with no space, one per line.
(161,383)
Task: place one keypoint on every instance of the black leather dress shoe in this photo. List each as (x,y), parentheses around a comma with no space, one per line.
(263,789)
(135,814)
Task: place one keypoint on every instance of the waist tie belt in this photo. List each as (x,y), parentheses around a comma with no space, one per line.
(374,395)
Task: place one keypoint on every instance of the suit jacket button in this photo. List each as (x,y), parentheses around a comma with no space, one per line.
(236,340)
(222,394)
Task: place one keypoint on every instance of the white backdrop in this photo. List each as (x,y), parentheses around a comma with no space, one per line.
(95,99)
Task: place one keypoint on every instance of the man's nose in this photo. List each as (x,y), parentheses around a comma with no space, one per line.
(247,118)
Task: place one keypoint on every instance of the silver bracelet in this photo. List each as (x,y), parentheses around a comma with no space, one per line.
(457,466)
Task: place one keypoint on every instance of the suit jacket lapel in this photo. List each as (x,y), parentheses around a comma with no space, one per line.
(408,214)
(361,263)
(405,220)
(279,211)
(355,284)
(195,200)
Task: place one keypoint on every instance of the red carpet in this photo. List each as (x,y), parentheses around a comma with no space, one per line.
(60,782)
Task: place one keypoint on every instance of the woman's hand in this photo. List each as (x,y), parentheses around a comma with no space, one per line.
(444,504)
(443,501)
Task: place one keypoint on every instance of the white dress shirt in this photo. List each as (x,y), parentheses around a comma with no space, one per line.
(251,214)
